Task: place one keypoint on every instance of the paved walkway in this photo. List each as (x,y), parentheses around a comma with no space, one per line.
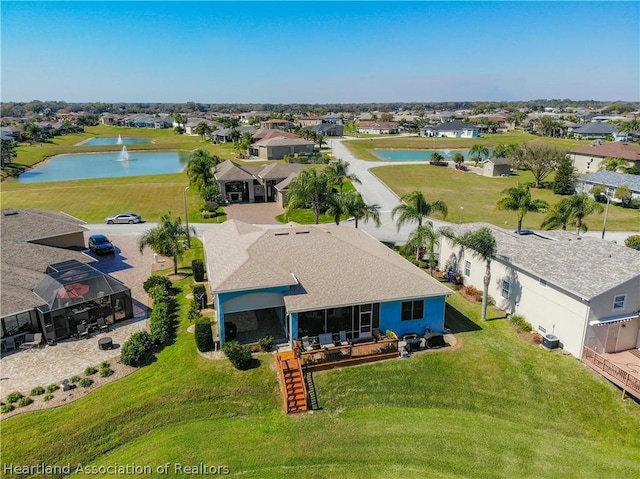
(255,213)
(23,370)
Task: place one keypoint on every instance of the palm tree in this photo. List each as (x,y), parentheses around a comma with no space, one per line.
(458,158)
(480,151)
(337,205)
(424,237)
(165,239)
(483,245)
(614,164)
(200,168)
(415,207)
(436,157)
(309,188)
(518,198)
(202,129)
(362,211)
(558,216)
(572,209)
(503,151)
(338,171)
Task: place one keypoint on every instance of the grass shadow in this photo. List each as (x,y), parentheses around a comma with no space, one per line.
(457,322)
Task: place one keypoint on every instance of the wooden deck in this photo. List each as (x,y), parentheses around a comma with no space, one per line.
(294,391)
(622,369)
(339,356)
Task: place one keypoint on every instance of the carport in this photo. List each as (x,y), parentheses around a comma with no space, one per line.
(75,293)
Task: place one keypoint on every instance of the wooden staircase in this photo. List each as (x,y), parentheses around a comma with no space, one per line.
(294,391)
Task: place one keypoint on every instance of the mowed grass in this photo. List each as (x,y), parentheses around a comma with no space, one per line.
(477,196)
(494,407)
(363,148)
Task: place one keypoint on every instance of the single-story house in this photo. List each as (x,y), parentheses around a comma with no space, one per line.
(579,289)
(378,128)
(297,281)
(47,284)
(611,180)
(452,129)
(593,131)
(587,159)
(224,135)
(255,184)
(496,167)
(311,120)
(193,122)
(278,147)
(327,129)
(149,121)
(266,133)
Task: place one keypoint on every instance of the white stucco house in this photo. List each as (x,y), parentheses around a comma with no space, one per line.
(584,290)
(452,129)
(587,159)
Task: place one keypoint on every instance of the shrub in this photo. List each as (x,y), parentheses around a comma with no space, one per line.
(24,401)
(158,294)
(200,295)
(438,163)
(520,323)
(194,310)
(136,349)
(197,266)
(156,280)
(52,387)
(390,334)
(240,356)
(47,397)
(203,334)
(211,207)
(90,370)
(14,397)
(74,379)
(266,344)
(104,365)
(633,242)
(106,372)
(37,391)
(86,382)
(474,293)
(5,408)
(161,324)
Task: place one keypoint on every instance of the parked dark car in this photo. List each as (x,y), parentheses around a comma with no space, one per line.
(124,218)
(100,244)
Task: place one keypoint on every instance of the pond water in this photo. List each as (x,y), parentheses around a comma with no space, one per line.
(105,165)
(113,141)
(419,155)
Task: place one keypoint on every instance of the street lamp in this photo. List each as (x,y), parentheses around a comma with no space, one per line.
(461,211)
(186,215)
(606,211)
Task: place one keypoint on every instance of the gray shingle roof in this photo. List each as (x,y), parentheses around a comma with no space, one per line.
(333,265)
(596,129)
(456,125)
(586,266)
(611,178)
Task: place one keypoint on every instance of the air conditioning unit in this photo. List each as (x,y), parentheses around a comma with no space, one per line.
(550,341)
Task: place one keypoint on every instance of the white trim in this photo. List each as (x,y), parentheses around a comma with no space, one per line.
(624,302)
(614,319)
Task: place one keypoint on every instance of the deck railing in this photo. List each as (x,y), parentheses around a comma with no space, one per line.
(333,356)
(626,380)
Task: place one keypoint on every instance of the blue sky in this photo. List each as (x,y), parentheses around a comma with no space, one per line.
(319,52)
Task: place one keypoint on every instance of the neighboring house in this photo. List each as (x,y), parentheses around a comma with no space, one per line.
(588,159)
(12,133)
(311,120)
(452,129)
(149,121)
(254,184)
(593,131)
(496,167)
(276,124)
(246,117)
(579,289)
(378,128)
(612,181)
(46,284)
(297,281)
(266,133)
(278,147)
(193,122)
(223,135)
(327,129)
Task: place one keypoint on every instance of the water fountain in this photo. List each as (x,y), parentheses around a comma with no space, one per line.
(119,142)
(124,154)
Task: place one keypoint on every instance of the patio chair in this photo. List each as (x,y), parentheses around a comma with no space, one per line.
(103,325)
(83,331)
(325,340)
(306,344)
(32,341)
(9,343)
(342,335)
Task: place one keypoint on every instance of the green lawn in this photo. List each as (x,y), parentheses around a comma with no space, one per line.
(478,195)
(495,407)
(362,148)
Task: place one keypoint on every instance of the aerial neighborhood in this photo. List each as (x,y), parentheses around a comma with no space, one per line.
(311,238)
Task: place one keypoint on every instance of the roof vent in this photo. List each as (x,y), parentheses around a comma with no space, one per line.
(303,232)
(10,213)
(281,233)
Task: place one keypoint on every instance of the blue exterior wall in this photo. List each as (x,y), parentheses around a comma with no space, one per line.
(220,298)
(293,325)
(391,314)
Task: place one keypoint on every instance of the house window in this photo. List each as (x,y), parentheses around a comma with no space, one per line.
(412,310)
(506,289)
(15,324)
(467,268)
(618,302)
